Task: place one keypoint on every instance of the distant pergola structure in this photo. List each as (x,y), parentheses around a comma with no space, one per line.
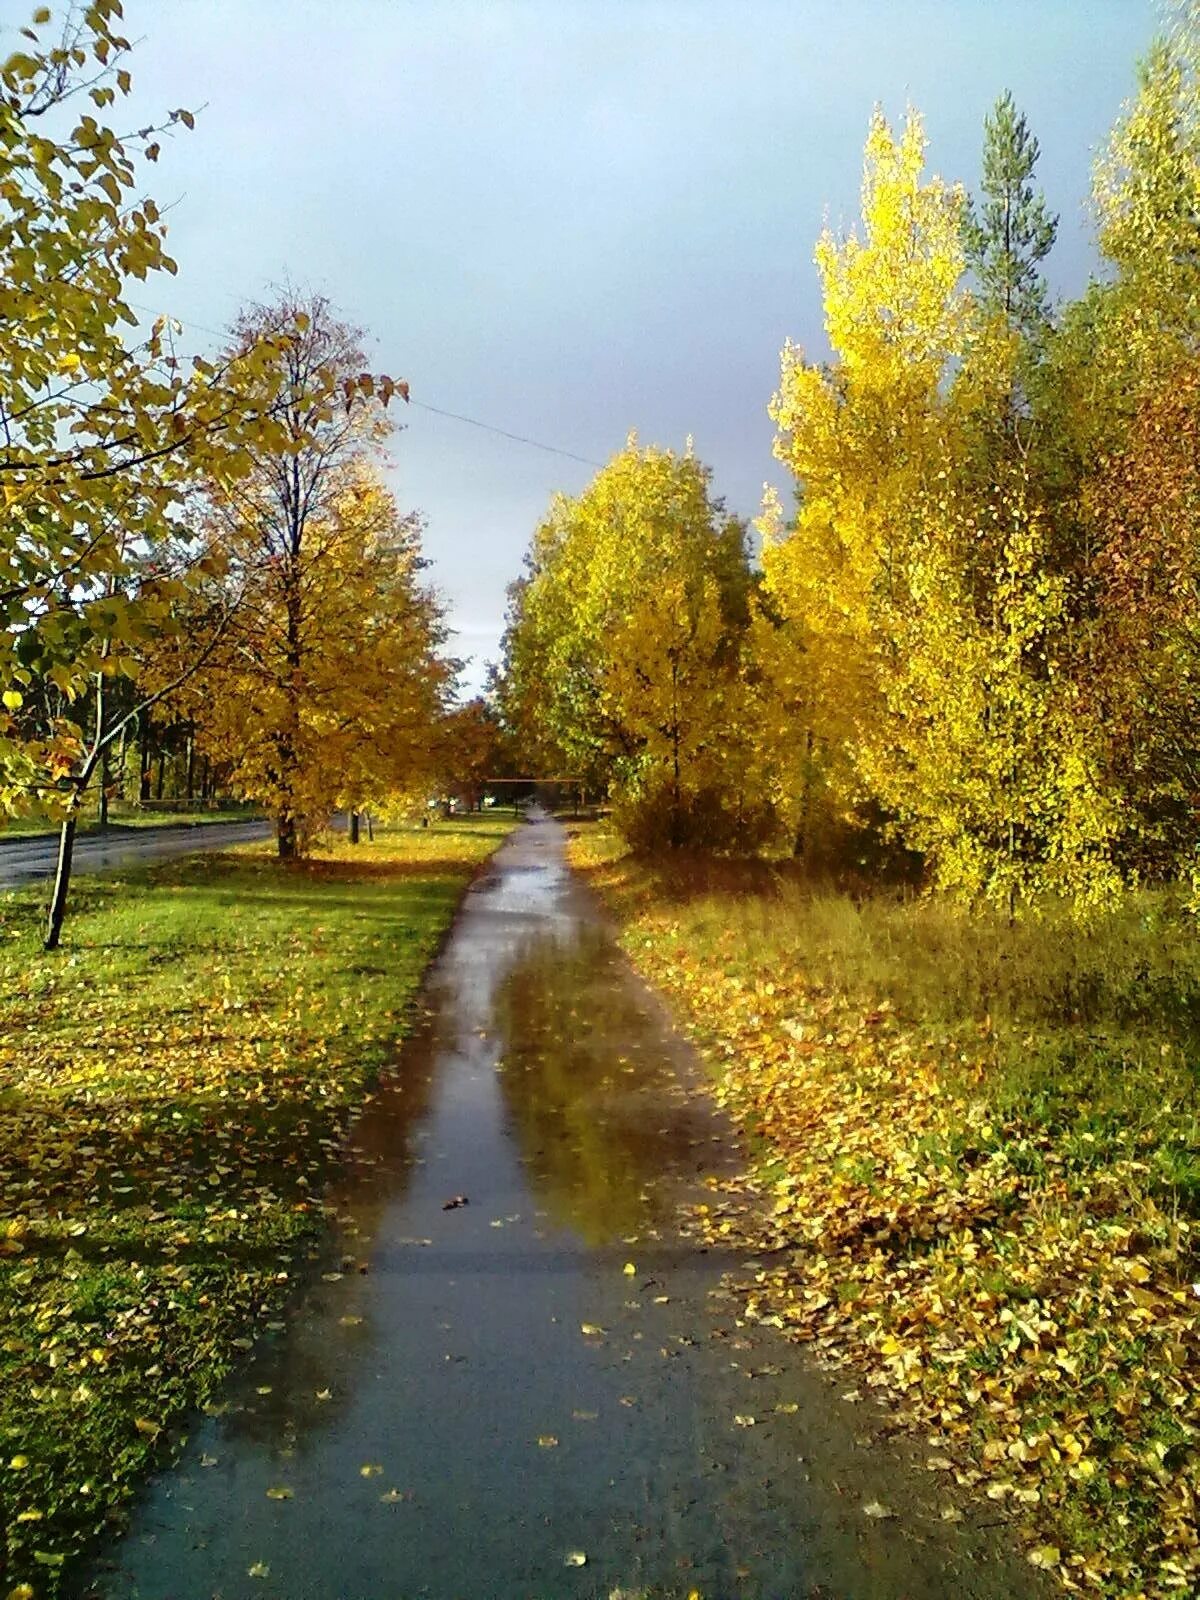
(572,783)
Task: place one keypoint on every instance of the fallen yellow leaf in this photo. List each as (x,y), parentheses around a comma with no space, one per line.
(1045,1556)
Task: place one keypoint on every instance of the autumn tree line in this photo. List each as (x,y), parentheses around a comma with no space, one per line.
(974,637)
(198,555)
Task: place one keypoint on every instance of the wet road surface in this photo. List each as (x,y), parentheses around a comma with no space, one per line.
(26,860)
(486,1402)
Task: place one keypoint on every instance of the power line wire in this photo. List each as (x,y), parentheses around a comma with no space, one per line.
(424,405)
(520,438)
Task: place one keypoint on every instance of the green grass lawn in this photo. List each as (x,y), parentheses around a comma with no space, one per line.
(173,1085)
(976,1180)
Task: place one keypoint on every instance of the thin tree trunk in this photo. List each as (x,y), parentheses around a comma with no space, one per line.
(191,761)
(62,882)
(144,760)
(289,741)
(800,843)
(66,837)
(353,825)
(104,781)
(370,827)
(676,796)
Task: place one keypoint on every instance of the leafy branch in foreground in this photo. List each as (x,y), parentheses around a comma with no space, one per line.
(111,447)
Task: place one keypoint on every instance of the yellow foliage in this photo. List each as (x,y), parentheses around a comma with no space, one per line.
(328,687)
(625,643)
(863,439)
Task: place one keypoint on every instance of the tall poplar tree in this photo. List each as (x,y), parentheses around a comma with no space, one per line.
(913,587)
(862,436)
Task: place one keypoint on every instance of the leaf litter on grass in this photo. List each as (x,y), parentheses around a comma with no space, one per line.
(174,1087)
(1024,1304)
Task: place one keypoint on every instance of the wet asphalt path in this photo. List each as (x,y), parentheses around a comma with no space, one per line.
(27,860)
(544,1391)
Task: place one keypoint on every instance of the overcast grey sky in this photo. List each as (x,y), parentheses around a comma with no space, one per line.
(571,218)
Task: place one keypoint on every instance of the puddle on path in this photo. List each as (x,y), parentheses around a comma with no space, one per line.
(443,1424)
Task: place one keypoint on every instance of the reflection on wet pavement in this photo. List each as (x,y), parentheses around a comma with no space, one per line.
(595,1104)
(471,1399)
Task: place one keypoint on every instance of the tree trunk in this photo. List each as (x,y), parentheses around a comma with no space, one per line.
(144,760)
(800,842)
(284,778)
(191,761)
(353,826)
(62,882)
(288,741)
(162,771)
(285,828)
(104,780)
(676,802)
(370,827)
(676,792)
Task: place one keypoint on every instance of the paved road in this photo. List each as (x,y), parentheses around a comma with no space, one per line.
(26,860)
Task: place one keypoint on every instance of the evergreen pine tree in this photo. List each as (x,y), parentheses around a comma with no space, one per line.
(1011,231)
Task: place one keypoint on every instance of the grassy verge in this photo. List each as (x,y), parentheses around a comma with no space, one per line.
(977,1179)
(173,1085)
